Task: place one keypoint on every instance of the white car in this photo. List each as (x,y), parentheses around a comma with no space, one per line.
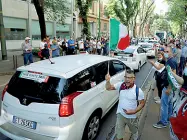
(61,101)
(133,56)
(150,49)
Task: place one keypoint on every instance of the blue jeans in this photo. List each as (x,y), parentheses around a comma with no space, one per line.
(166,107)
(28,57)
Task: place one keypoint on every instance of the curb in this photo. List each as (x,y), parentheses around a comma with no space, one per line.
(7,73)
(141,116)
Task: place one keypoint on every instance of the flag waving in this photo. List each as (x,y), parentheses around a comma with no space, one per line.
(119,37)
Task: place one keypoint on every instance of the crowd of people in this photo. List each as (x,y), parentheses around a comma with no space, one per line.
(58,47)
(173,101)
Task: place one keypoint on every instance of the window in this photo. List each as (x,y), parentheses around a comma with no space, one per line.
(101,70)
(129,51)
(118,66)
(34,91)
(15,34)
(81,81)
(140,50)
(105,26)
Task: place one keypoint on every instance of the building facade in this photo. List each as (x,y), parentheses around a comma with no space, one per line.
(93,20)
(21,20)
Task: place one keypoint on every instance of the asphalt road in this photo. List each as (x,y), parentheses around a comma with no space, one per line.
(108,121)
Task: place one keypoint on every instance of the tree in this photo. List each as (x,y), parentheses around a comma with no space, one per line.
(146,11)
(177,15)
(83,6)
(125,10)
(56,10)
(160,24)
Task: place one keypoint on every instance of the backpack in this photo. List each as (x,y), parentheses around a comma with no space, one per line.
(137,92)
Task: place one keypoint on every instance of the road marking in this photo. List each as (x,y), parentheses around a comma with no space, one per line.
(146,77)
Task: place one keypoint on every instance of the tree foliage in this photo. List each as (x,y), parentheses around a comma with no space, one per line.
(146,12)
(177,15)
(83,6)
(161,24)
(55,10)
(125,10)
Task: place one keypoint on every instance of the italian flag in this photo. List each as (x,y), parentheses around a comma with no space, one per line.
(119,37)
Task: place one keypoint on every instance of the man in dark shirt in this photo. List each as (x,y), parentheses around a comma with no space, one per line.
(166,106)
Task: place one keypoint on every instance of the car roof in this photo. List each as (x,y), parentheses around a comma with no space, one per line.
(65,66)
(134,46)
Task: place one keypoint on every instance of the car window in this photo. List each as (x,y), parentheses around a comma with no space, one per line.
(21,86)
(101,70)
(81,81)
(140,50)
(118,66)
(129,50)
(146,46)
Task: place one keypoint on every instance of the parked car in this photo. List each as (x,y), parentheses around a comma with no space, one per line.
(150,49)
(61,101)
(133,56)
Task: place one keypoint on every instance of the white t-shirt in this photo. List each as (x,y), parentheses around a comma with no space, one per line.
(42,45)
(94,44)
(81,44)
(127,99)
(98,45)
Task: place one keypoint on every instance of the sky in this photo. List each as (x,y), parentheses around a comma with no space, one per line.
(161,6)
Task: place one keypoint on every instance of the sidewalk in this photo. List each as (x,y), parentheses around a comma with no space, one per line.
(150,133)
(7,66)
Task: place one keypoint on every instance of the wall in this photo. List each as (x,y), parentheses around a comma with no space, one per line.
(16,23)
(16,44)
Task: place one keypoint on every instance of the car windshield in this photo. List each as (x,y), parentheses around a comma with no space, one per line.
(152,42)
(146,46)
(51,90)
(129,50)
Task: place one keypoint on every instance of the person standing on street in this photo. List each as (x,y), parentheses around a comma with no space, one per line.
(64,47)
(81,45)
(98,47)
(94,46)
(166,106)
(178,127)
(55,49)
(131,101)
(71,46)
(27,51)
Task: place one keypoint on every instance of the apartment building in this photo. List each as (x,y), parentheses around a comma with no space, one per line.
(93,20)
(21,20)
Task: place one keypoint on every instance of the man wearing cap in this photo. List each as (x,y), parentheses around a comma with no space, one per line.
(27,51)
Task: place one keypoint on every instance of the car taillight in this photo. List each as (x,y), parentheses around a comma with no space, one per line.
(4,91)
(66,106)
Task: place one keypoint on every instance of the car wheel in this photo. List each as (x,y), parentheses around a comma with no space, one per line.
(139,66)
(92,127)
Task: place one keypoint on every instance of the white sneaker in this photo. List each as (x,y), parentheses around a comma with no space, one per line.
(135,136)
(156,98)
(158,101)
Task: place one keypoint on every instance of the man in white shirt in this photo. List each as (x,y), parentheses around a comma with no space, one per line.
(81,45)
(27,51)
(128,105)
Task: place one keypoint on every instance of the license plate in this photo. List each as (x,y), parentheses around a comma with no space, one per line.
(24,123)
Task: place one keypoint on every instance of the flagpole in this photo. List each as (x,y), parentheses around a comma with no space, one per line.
(109,47)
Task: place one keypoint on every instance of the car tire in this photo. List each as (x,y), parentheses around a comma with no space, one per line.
(139,67)
(92,127)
